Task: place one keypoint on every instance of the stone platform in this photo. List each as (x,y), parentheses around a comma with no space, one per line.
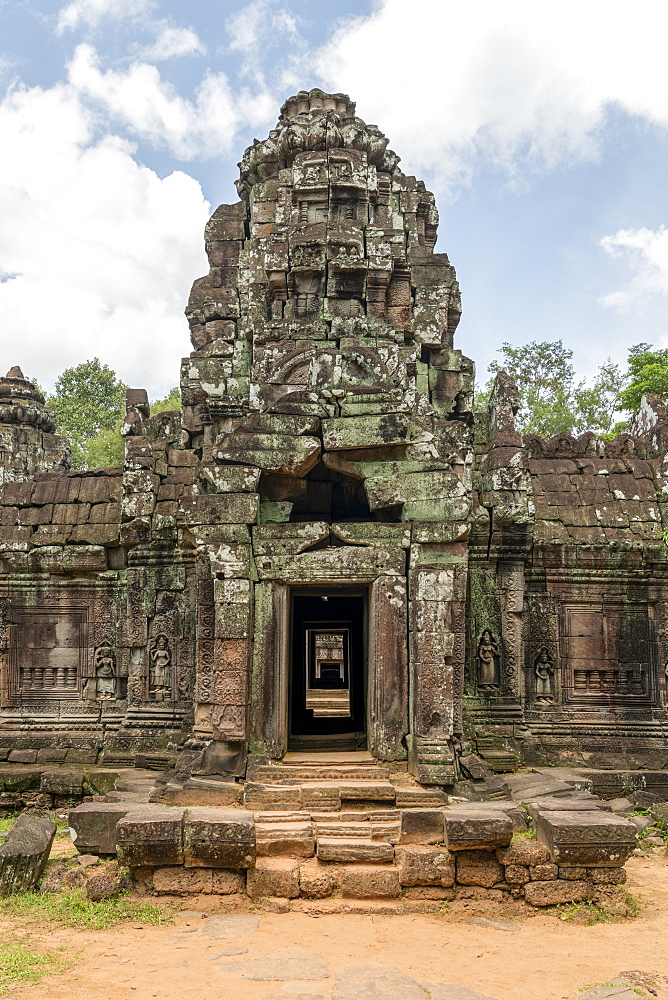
(354,832)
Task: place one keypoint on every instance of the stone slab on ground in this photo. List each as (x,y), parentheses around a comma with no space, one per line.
(454,991)
(586,838)
(285,964)
(93,826)
(532,786)
(230,926)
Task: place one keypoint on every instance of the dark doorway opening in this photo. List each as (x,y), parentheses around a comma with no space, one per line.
(328,670)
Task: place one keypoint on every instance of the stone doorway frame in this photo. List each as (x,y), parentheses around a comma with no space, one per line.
(387,709)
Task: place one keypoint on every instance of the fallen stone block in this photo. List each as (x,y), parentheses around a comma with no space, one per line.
(274,877)
(219,838)
(93,826)
(151,837)
(468,828)
(551,893)
(586,838)
(423,865)
(532,786)
(24,854)
(198,792)
(421,826)
(102,886)
(370,882)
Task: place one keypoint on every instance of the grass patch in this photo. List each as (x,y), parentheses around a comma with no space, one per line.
(19,964)
(74,909)
(589,913)
(7,822)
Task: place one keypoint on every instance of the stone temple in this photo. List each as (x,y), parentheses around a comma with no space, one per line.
(326,550)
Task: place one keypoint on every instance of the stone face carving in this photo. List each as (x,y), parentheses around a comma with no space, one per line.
(488,659)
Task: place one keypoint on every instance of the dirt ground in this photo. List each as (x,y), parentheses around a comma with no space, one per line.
(516,954)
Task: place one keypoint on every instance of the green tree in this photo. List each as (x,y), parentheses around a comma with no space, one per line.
(648,372)
(552,401)
(172,401)
(88,400)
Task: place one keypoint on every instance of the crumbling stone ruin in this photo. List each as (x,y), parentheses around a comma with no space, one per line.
(326,550)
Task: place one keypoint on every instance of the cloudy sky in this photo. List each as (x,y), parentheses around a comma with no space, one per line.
(541,128)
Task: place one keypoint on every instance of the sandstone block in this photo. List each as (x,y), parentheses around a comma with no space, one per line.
(543,873)
(259,796)
(151,837)
(61,782)
(293,838)
(516,874)
(219,838)
(370,882)
(558,891)
(16,779)
(351,849)
(22,756)
(586,838)
(93,826)
(423,865)
(422,826)
(181,881)
(467,829)
(316,880)
(478,868)
(274,877)
(523,852)
(607,876)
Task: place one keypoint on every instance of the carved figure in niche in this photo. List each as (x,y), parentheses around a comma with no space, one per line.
(102,686)
(488,662)
(160,662)
(544,671)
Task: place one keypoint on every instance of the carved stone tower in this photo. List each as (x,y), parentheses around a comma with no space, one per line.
(28,442)
(334,417)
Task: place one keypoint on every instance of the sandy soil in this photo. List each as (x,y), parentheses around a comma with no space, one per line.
(531,955)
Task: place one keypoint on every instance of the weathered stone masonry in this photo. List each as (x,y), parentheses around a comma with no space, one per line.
(513,590)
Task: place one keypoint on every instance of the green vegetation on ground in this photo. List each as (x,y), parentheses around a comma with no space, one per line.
(73,909)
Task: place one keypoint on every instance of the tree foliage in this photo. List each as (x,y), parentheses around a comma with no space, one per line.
(89,402)
(552,401)
(648,372)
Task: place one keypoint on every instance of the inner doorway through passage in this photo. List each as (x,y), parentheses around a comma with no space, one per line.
(328,670)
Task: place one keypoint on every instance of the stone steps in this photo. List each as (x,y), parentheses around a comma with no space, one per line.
(349,850)
(272,773)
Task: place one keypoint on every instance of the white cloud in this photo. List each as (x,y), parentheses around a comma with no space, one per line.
(173,42)
(520,82)
(98,252)
(89,13)
(646,253)
(151,108)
